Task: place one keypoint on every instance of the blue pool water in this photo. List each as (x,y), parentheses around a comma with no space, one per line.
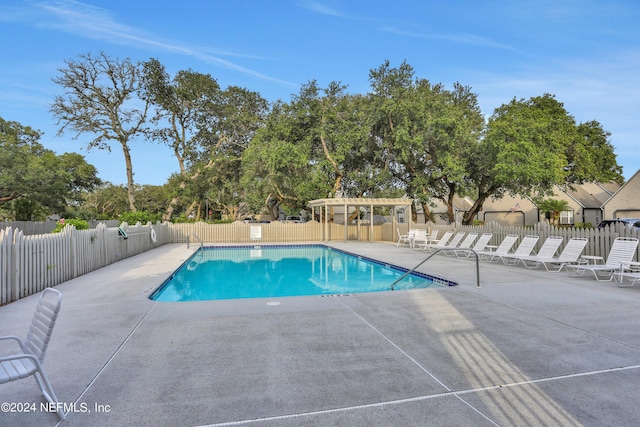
(277,271)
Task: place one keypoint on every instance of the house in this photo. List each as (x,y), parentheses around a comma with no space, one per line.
(509,210)
(585,202)
(585,205)
(440,213)
(624,203)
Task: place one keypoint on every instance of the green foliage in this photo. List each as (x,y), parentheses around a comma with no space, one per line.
(35,180)
(102,97)
(79,224)
(553,208)
(583,225)
(142,217)
(236,154)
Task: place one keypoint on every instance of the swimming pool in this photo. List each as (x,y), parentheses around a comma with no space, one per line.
(215,273)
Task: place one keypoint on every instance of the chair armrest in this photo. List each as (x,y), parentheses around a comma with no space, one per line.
(29,356)
(632,265)
(16,339)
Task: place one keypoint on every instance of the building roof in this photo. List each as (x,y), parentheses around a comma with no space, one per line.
(360,201)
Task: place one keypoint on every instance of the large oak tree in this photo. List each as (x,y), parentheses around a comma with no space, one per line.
(102,98)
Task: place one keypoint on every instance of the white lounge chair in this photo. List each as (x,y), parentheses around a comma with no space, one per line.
(547,250)
(455,241)
(28,361)
(442,242)
(628,273)
(622,252)
(433,237)
(502,249)
(569,255)
(479,246)
(466,243)
(525,248)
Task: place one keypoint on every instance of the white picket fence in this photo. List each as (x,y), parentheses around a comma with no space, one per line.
(29,264)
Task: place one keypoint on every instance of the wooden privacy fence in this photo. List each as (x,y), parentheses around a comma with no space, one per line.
(28,264)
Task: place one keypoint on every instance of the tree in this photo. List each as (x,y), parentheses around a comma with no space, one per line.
(36,180)
(427,132)
(181,105)
(107,201)
(553,207)
(591,156)
(20,152)
(318,145)
(527,149)
(207,127)
(102,97)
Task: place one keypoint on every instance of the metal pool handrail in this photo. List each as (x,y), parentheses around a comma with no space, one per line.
(435,252)
(197,238)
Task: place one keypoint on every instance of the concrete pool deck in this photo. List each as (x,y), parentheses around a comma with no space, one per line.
(526,348)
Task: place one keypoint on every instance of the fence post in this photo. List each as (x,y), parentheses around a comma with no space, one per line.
(14,265)
(73,245)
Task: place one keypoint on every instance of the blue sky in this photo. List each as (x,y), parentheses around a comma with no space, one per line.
(585,52)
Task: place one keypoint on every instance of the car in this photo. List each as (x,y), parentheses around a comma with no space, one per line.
(295,219)
(632,223)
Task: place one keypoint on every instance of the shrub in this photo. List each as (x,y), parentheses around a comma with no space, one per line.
(142,217)
(79,224)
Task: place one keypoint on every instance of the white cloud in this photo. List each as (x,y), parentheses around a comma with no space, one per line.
(93,22)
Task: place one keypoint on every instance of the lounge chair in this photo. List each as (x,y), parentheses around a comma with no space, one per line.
(433,237)
(622,252)
(478,247)
(569,255)
(525,248)
(630,272)
(29,360)
(455,241)
(547,250)
(442,242)
(465,244)
(503,249)
(451,244)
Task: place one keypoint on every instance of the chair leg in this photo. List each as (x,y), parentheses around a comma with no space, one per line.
(47,391)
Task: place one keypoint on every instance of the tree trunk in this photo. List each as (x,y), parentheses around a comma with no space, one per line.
(427,213)
(131,195)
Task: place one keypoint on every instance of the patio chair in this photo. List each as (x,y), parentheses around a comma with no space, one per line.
(622,252)
(503,249)
(419,237)
(547,250)
(442,242)
(465,244)
(404,239)
(630,272)
(29,360)
(569,255)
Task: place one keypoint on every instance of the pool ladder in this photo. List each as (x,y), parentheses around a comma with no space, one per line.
(196,237)
(435,252)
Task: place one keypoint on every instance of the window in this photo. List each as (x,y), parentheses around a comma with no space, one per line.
(566,217)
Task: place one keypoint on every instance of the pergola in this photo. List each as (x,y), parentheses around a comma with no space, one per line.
(346,203)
